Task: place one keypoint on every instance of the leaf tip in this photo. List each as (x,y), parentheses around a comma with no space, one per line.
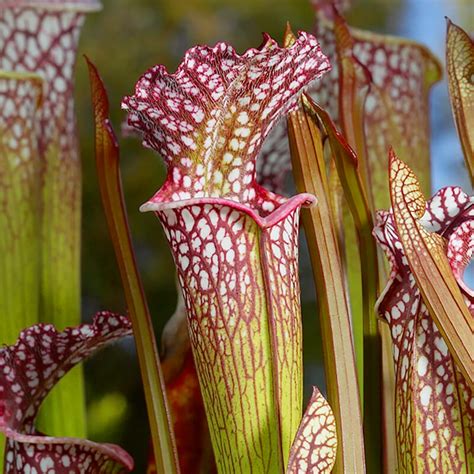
(289,37)
(394,163)
(100,99)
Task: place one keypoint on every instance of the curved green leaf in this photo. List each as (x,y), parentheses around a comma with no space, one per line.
(426,256)
(107,161)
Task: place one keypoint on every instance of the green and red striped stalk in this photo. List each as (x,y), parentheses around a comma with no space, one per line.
(40,37)
(310,173)
(110,182)
(430,311)
(20,164)
(234,243)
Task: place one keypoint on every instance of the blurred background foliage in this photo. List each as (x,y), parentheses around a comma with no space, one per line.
(126,38)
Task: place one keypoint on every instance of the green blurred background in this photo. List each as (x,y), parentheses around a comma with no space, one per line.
(126,38)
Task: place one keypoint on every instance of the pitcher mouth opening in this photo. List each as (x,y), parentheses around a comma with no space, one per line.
(264,219)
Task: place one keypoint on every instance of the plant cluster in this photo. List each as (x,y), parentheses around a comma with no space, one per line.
(344,113)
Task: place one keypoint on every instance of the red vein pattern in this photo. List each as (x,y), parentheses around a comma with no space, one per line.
(274,163)
(396,108)
(209,119)
(20,96)
(315,445)
(28,371)
(220,252)
(234,243)
(19,203)
(434,405)
(41,37)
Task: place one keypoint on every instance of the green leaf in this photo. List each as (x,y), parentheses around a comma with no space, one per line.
(426,256)
(341,378)
(356,198)
(107,161)
(434,415)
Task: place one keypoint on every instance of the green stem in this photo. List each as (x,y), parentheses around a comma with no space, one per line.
(356,198)
(19,217)
(343,394)
(107,160)
(63,413)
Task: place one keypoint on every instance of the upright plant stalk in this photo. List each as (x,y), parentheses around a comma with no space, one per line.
(428,245)
(234,242)
(356,197)
(40,36)
(354,83)
(383,99)
(107,159)
(343,394)
(20,96)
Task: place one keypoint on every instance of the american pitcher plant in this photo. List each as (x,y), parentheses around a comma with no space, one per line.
(234,243)
(235,246)
(41,178)
(434,399)
(20,99)
(29,369)
(377,95)
(391,88)
(315,444)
